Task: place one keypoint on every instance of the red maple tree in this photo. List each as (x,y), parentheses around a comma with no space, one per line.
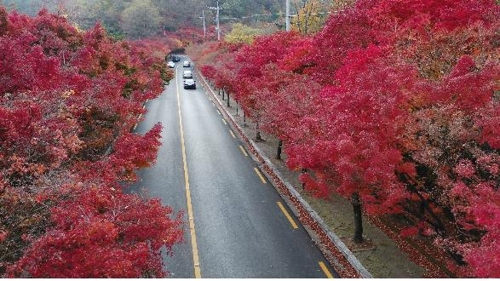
(406,120)
(68,100)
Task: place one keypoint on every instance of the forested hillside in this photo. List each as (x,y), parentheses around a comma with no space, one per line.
(145,18)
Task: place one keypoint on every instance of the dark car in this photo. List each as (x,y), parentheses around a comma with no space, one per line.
(189,84)
(176,58)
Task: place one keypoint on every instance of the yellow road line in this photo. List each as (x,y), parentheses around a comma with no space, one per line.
(260,175)
(287,215)
(325,269)
(232,134)
(225,123)
(243,151)
(138,120)
(194,244)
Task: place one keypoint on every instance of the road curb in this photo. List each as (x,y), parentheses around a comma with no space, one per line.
(339,256)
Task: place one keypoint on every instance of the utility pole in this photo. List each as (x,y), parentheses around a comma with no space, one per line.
(216,19)
(204,26)
(287,19)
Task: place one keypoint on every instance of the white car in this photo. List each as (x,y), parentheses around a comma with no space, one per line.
(189,84)
(187,74)
(171,64)
(186,63)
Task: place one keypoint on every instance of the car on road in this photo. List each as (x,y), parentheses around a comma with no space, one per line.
(187,74)
(171,64)
(186,63)
(189,84)
(175,58)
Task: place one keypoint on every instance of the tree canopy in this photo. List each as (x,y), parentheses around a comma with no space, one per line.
(393,105)
(68,101)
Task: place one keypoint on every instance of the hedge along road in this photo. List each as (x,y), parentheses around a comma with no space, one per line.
(235,223)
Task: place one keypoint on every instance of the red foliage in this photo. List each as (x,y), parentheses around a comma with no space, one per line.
(184,36)
(410,231)
(298,56)
(208,71)
(352,151)
(101,232)
(251,61)
(284,99)
(435,14)
(407,116)
(348,30)
(67,103)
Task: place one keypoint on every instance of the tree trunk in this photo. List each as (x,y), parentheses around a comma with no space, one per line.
(421,215)
(258,137)
(304,170)
(280,147)
(358,219)
(228,104)
(437,224)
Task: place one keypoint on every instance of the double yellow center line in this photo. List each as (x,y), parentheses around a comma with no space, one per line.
(194,244)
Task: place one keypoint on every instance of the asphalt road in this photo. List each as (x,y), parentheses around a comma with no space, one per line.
(236,225)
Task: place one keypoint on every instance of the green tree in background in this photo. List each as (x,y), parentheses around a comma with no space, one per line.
(177,14)
(242,34)
(27,7)
(310,16)
(141,19)
(86,13)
